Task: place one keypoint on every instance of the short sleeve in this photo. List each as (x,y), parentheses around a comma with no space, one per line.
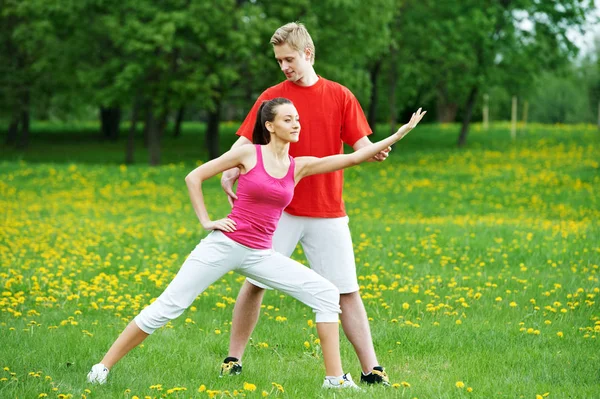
(354,122)
(247,127)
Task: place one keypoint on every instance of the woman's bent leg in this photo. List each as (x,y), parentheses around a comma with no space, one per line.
(329,334)
(300,282)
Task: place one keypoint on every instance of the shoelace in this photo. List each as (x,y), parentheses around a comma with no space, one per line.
(382,374)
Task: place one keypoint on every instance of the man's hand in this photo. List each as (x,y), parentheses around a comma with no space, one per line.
(382,156)
(364,142)
(227,181)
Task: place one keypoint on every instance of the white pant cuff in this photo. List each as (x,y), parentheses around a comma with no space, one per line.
(327,317)
(142,327)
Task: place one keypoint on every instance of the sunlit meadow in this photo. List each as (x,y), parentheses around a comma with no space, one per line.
(479,269)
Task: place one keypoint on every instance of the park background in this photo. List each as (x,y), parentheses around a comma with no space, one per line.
(476,241)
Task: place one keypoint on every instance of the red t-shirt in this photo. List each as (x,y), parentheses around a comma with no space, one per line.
(330,115)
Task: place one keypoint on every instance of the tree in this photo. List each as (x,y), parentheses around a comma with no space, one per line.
(32,66)
(458,50)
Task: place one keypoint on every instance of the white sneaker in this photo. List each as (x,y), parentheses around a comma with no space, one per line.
(98,374)
(344,382)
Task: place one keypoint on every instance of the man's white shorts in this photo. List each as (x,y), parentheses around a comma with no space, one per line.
(327,244)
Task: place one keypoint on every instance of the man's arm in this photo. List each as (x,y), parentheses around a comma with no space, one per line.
(364,142)
(230,176)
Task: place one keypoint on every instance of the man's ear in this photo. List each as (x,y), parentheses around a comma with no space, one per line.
(307,54)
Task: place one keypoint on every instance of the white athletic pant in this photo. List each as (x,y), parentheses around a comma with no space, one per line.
(216,255)
(327,244)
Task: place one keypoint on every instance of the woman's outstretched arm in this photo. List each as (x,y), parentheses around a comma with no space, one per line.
(307,166)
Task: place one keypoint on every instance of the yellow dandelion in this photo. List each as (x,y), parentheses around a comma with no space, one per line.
(460,384)
(249,387)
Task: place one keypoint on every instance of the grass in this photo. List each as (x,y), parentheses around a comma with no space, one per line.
(479,269)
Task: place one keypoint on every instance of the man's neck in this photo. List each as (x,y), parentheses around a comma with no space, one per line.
(308,80)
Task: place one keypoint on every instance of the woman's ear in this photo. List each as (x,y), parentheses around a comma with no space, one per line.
(269,126)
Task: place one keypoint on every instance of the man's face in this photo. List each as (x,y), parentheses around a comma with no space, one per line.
(293,64)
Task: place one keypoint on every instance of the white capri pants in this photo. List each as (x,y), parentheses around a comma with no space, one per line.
(327,244)
(216,255)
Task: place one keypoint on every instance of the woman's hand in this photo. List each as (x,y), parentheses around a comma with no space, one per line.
(414,120)
(224,224)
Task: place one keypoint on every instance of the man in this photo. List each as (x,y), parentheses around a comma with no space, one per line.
(330,115)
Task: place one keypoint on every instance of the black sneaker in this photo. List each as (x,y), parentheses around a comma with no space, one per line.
(231,366)
(376,376)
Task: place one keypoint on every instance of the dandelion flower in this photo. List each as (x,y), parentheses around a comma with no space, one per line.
(249,387)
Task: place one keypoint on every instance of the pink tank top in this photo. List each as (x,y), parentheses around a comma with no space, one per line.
(261,200)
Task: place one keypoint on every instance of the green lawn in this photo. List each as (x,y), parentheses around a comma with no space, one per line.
(479,269)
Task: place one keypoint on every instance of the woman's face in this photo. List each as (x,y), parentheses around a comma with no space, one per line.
(286,125)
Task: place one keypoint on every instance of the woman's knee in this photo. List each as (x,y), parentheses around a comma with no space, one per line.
(331,295)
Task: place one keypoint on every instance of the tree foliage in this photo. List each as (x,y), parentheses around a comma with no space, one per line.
(153,60)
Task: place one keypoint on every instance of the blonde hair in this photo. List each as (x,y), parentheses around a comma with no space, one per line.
(296,36)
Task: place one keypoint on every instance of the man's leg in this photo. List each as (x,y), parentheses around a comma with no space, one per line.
(247,305)
(328,247)
(356,327)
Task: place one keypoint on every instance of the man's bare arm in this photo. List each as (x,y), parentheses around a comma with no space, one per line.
(230,176)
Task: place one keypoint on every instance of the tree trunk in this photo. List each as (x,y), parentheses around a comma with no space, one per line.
(147,123)
(110,119)
(486,111)
(445,109)
(462,138)
(23,140)
(212,130)
(129,149)
(525,114)
(178,121)
(13,130)
(162,122)
(373,74)
(153,139)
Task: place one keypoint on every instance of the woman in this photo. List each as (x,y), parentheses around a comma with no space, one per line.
(242,241)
